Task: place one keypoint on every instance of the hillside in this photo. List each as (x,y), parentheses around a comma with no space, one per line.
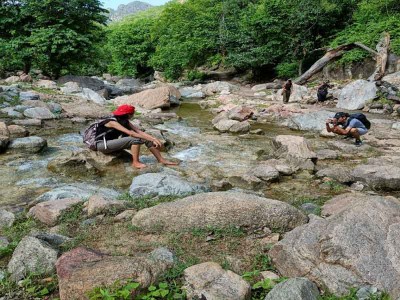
(124,10)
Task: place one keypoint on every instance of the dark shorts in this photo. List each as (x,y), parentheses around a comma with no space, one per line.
(121,144)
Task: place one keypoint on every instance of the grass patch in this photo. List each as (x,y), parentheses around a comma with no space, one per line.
(146,201)
(45,91)
(13,102)
(353,296)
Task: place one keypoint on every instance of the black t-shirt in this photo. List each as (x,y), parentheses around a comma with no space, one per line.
(113,133)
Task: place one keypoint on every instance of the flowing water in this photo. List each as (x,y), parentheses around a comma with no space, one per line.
(205,155)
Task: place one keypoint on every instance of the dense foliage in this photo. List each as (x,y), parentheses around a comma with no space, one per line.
(49,34)
(278,37)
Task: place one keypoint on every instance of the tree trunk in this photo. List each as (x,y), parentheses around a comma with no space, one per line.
(381,58)
(27,67)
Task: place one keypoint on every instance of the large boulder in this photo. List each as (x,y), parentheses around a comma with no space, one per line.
(357,245)
(393,79)
(47,84)
(220,209)
(192,92)
(341,174)
(83,82)
(81,270)
(240,113)
(32,256)
(92,96)
(85,109)
(314,121)
(381,177)
(41,113)
(17,131)
(100,205)
(294,289)
(218,87)
(225,125)
(71,88)
(32,144)
(354,95)
(23,96)
(209,281)
(129,85)
(48,212)
(156,184)
(161,97)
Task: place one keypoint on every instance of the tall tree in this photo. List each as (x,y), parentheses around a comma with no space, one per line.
(50,34)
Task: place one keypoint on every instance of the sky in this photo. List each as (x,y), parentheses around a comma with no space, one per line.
(114,3)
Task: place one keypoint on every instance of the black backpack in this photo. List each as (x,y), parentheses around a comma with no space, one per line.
(362,118)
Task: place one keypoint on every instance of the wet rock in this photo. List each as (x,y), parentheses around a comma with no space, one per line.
(23,96)
(92,96)
(353,247)
(82,81)
(265,173)
(355,95)
(47,84)
(81,270)
(380,177)
(28,122)
(6,218)
(209,281)
(157,184)
(218,87)
(77,190)
(225,125)
(240,113)
(162,97)
(219,209)
(340,174)
(17,131)
(32,144)
(40,113)
(48,212)
(32,255)
(241,127)
(294,289)
(314,121)
(99,205)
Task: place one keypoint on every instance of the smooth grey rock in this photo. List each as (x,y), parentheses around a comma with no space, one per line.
(381,177)
(396,126)
(41,113)
(314,121)
(31,144)
(28,122)
(241,127)
(265,172)
(55,108)
(327,154)
(156,184)
(71,88)
(129,85)
(219,209)
(218,87)
(83,82)
(11,112)
(209,281)
(32,256)
(225,125)
(163,254)
(28,96)
(354,95)
(6,218)
(355,246)
(294,289)
(341,174)
(92,96)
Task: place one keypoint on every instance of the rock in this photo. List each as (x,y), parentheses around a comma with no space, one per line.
(23,96)
(28,122)
(240,113)
(162,97)
(53,239)
(32,255)
(219,209)
(47,84)
(356,246)
(11,112)
(265,172)
(40,113)
(77,190)
(396,126)
(282,166)
(48,212)
(17,131)
(32,144)
(380,177)
(4,242)
(296,150)
(83,82)
(225,125)
(99,205)
(159,76)
(71,88)
(260,94)
(221,116)
(4,131)
(125,215)
(92,96)
(266,86)
(393,79)
(241,127)
(25,78)
(340,174)
(314,121)
(157,184)
(354,95)
(269,275)
(81,270)
(12,79)
(368,292)
(218,87)
(327,154)
(85,109)
(6,218)
(192,92)
(310,208)
(209,281)
(294,289)
(163,254)
(326,134)
(129,85)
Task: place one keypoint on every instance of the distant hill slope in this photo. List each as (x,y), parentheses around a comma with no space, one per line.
(124,10)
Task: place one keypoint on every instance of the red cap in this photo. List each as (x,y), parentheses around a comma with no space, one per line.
(125,109)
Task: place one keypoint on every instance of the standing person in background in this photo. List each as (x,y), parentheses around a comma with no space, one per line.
(287,90)
(322,91)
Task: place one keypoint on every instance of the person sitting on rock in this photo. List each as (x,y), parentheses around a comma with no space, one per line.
(343,125)
(131,138)
(322,91)
(287,90)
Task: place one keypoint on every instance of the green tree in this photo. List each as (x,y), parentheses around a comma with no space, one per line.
(49,34)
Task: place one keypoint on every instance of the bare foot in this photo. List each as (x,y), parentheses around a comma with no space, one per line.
(169,163)
(138,165)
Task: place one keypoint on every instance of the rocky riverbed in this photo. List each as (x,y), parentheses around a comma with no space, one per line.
(262,193)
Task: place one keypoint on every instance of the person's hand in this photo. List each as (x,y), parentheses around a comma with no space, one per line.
(157,143)
(328,121)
